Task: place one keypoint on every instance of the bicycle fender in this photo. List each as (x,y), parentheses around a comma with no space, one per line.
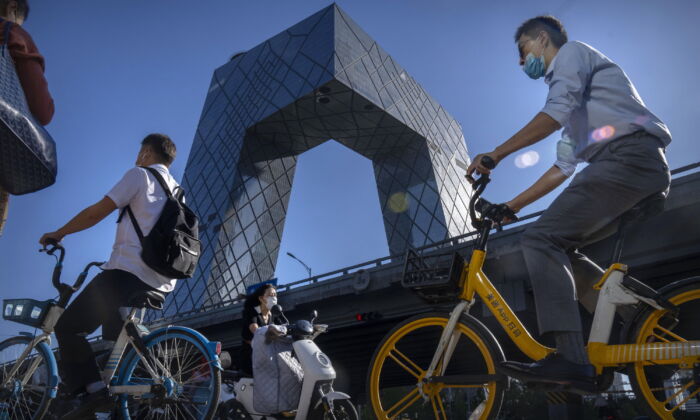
(337,395)
(210,346)
(53,369)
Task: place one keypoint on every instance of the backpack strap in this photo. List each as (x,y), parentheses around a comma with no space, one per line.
(137,228)
(160,179)
(127,209)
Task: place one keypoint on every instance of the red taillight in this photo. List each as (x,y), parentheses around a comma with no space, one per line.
(358,317)
(218,348)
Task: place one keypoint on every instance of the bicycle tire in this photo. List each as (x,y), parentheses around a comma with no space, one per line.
(342,410)
(13,401)
(477,353)
(175,349)
(654,384)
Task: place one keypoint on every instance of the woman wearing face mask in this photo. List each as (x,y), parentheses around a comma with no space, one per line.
(256,314)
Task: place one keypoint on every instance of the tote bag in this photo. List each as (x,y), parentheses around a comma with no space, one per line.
(27,151)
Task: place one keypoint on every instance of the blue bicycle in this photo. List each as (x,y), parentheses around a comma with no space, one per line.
(170,373)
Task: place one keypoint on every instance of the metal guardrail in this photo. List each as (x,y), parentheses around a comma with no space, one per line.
(450,242)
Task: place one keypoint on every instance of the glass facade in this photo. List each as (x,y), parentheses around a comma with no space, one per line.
(324,78)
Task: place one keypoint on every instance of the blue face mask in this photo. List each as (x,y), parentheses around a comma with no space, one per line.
(534,66)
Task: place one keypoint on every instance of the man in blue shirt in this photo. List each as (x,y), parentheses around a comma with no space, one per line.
(606,124)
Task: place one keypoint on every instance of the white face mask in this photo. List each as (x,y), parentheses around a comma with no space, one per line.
(270,301)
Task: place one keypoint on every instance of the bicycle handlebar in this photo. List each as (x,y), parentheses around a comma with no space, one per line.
(54,247)
(65,291)
(482,206)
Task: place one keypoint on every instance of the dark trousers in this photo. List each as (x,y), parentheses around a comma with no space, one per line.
(245,359)
(623,173)
(98,304)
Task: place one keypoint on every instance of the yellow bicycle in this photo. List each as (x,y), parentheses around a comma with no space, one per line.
(436,363)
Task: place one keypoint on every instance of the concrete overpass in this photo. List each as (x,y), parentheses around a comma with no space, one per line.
(659,251)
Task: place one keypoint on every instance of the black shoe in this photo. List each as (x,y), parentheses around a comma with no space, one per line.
(554,369)
(90,404)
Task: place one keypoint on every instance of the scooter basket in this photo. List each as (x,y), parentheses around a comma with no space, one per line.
(27,311)
(434,277)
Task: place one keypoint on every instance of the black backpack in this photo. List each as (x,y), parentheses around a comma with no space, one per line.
(172,248)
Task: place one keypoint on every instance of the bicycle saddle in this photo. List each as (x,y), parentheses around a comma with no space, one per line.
(151,299)
(645,209)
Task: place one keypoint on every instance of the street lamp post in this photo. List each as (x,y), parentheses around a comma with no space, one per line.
(308,269)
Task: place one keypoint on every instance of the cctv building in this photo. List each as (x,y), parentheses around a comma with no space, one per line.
(323,78)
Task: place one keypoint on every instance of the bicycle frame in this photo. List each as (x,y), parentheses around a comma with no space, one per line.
(475,282)
(129,335)
(108,374)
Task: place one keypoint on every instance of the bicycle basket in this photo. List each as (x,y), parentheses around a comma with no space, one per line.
(435,277)
(26,311)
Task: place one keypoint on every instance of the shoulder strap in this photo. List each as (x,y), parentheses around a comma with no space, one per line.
(160,179)
(127,209)
(137,228)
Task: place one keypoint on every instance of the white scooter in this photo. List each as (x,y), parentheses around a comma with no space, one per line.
(318,400)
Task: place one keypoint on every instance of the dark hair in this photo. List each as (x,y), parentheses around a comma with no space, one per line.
(162,146)
(550,24)
(253,300)
(22,7)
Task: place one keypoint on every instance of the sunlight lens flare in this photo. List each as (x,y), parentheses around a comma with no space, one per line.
(398,202)
(527,159)
(603,133)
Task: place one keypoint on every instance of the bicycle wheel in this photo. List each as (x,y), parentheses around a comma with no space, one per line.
(33,386)
(191,381)
(342,410)
(666,389)
(397,372)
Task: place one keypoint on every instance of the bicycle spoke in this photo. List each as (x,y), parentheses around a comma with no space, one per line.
(407,401)
(186,407)
(680,391)
(182,361)
(194,369)
(684,400)
(438,408)
(413,369)
(667,332)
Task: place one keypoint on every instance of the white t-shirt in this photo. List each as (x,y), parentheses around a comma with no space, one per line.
(142,192)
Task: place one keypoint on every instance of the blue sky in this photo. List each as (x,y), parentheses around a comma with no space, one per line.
(121,69)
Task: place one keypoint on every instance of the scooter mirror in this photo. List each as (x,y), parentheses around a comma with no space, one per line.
(276,310)
(314,315)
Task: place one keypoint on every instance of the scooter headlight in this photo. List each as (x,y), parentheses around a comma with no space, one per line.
(323,359)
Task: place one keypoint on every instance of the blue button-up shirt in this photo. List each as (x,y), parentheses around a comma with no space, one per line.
(595,102)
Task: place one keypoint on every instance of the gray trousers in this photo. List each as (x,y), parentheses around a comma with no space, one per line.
(624,172)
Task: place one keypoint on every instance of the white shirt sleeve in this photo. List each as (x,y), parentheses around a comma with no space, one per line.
(566,155)
(126,189)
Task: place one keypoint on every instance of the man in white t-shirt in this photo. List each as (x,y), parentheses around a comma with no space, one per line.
(124,274)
